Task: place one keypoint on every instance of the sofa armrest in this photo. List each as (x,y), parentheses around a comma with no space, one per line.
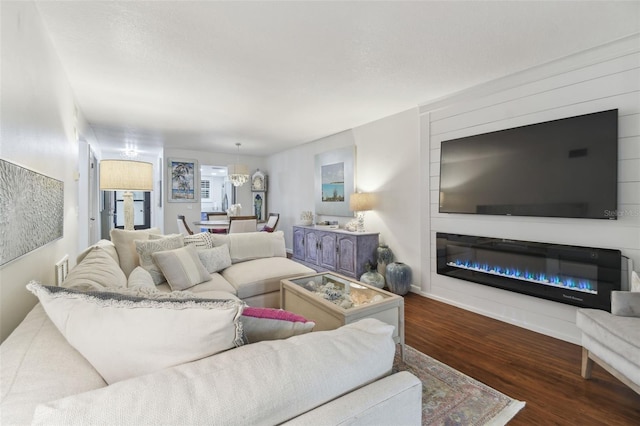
(625,303)
(393,400)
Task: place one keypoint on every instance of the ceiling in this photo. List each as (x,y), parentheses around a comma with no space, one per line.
(203,75)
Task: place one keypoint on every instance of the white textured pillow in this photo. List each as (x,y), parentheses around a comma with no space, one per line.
(126,336)
(97,271)
(635,281)
(181,267)
(215,259)
(201,241)
(140,278)
(124,242)
(146,249)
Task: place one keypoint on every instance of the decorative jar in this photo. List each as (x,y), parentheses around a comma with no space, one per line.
(398,276)
(372,277)
(385,257)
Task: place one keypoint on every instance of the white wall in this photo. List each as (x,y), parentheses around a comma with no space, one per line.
(38,131)
(603,78)
(191,211)
(387,164)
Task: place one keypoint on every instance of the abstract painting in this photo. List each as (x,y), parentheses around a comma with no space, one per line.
(334,181)
(31,210)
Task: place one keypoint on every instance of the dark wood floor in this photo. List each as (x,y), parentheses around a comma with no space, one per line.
(540,370)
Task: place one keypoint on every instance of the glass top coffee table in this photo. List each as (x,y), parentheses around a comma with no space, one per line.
(332,300)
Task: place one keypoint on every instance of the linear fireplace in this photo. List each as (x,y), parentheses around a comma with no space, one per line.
(580,276)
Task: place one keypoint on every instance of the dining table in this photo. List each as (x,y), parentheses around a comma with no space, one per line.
(217,224)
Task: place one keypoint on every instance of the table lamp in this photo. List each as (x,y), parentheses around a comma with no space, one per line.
(361,202)
(127,176)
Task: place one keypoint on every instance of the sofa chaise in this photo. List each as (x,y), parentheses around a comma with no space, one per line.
(116,345)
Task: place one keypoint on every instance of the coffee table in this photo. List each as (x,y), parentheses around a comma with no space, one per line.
(332,300)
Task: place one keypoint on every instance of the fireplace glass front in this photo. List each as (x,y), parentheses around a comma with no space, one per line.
(580,276)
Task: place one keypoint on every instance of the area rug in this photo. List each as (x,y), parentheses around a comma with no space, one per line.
(452,398)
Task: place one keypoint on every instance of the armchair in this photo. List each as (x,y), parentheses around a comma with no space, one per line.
(612,340)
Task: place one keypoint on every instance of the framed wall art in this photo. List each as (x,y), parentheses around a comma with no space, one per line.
(183,182)
(334,181)
(31,212)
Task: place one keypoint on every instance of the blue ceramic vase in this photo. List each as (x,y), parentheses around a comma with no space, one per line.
(398,278)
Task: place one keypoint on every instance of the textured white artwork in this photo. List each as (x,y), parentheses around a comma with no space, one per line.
(31,210)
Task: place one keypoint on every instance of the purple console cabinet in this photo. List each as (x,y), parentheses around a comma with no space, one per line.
(337,250)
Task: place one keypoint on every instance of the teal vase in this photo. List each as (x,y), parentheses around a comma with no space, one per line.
(398,276)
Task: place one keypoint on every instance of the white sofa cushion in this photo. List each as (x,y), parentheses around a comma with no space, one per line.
(125,246)
(124,336)
(97,271)
(215,259)
(39,365)
(252,245)
(104,244)
(262,276)
(281,378)
(146,249)
(181,267)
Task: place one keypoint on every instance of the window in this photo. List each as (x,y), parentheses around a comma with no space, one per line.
(205,187)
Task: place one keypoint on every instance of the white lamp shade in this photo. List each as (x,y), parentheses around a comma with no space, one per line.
(360,202)
(124,175)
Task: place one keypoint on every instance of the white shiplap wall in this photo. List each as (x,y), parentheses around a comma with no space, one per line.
(603,78)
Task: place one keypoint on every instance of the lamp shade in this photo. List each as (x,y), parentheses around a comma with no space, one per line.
(124,175)
(360,202)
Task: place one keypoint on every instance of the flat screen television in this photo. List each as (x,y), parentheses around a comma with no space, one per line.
(559,168)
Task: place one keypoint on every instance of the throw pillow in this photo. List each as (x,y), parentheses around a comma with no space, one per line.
(261,324)
(146,249)
(140,278)
(201,241)
(125,246)
(97,271)
(125,336)
(181,267)
(635,281)
(215,259)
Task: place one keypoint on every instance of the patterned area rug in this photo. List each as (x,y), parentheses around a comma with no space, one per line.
(452,398)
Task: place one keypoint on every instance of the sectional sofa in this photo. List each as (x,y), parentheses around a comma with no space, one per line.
(151,329)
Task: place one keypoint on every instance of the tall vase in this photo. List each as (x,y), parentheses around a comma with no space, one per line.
(398,278)
(385,257)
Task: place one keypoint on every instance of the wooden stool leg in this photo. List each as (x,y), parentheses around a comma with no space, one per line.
(587,364)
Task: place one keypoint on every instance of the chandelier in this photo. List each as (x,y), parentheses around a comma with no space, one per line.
(238,173)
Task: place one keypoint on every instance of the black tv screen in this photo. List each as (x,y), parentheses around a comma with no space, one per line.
(560,168)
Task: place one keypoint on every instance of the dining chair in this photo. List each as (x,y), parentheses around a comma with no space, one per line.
(183,228)
(239,224)
(272,222)
(217,216)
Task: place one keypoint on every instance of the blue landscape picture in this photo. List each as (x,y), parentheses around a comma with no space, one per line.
(333,182)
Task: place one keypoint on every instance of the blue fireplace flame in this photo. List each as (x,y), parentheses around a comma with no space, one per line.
(567,282)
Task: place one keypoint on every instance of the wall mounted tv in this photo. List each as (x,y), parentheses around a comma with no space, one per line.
(560,168)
